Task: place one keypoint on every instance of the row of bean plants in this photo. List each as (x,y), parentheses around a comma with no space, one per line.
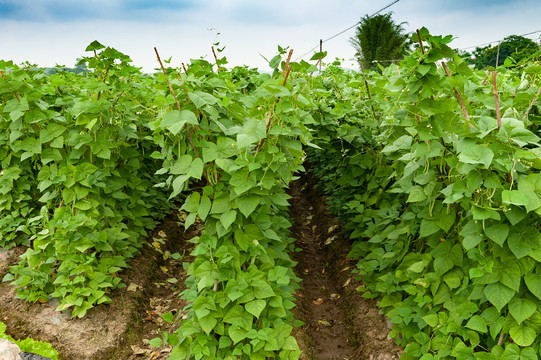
(434,169)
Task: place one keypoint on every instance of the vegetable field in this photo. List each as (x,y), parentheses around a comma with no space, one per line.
(431,168)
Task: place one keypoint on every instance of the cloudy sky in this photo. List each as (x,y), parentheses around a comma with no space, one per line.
(49,32)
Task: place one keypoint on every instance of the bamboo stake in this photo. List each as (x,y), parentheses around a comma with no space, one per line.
(178,104)
(531,104)
(486,77)
(216,58)
(420,41)
(184,67)
(286,66)
(462,106)
(497,100)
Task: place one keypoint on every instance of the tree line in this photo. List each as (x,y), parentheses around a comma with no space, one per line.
(378,40)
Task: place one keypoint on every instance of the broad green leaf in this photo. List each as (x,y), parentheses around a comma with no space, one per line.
(533,282)
(51,132)
(204,207)
(428,228)
(196,168)
(522,239)
(251,132)
(417,194)
(173,121)
(236,333)
(497,233)
(200,98)
(477,323)
(515,197)
(498,295)
(181,165)
(207,323)
(178,185)
(521,309)
(476,154)
(432,320)
(228,218)
(255,307)
(523,335)
(247,204)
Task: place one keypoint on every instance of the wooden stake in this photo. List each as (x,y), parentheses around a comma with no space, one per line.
(462,106)
(216,58)
(531,104)
(496,100)
(184,67)
(286,66)
(420,41)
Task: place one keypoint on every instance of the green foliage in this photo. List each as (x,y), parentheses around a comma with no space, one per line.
(378,39)
(77,182)
(445,217)
(517,48)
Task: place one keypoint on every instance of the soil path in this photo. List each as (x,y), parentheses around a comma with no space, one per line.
(339,323)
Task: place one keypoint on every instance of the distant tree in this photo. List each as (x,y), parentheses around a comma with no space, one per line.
(516,47)
(378,38)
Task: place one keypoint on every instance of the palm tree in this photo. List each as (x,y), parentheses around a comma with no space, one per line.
(378,38)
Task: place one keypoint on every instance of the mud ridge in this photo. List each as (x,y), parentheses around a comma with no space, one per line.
(339,323)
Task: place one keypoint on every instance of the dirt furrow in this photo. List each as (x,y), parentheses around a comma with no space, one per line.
(339,323)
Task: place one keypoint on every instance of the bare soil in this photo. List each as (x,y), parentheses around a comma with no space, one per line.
(339,322)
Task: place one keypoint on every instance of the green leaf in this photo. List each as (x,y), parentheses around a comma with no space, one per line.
(178,185)
(251,132)
(247,204)
(207,323)
(477,323)
(476,154)
(498,295)
(428,228)
(228,218)
(521,309)
(255,307)
(417,194)
(523,335)
(497,233)
(196,168)
(51,132)
(204,207)
(523,239)
(432,320)
(515,197)
(156,342)
(533,283)
(200,98)
(174,121)
(94,45)
(236,333)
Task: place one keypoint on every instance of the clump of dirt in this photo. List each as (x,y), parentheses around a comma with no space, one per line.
(119,330)
(339,322)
